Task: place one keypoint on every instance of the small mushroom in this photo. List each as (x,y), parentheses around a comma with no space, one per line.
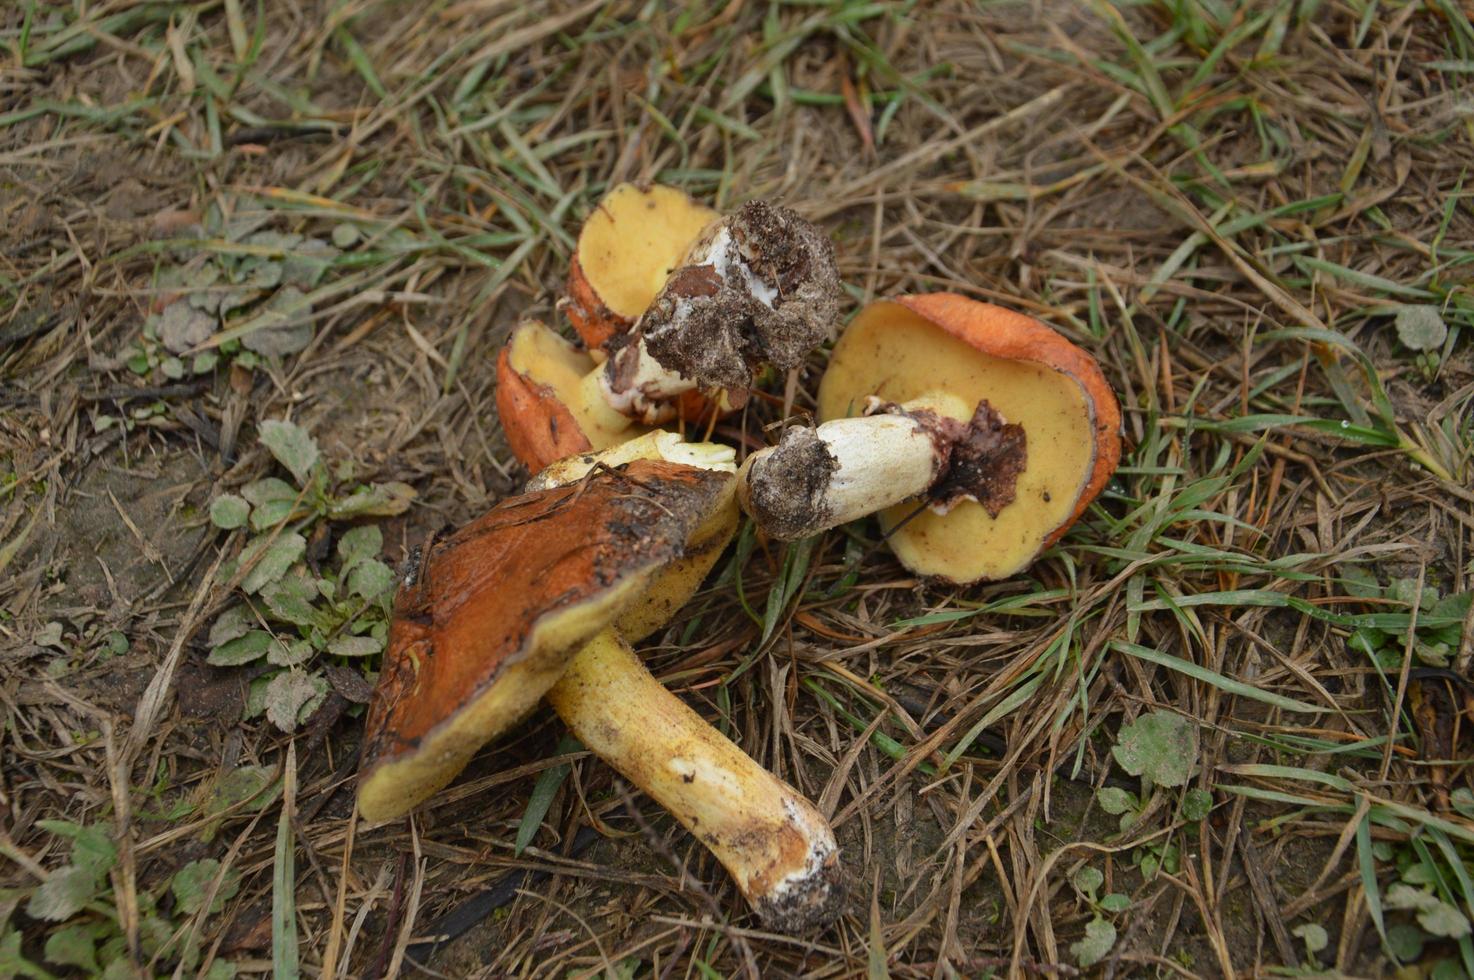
(625,251)
(758,287)
(978,434)
(542,596)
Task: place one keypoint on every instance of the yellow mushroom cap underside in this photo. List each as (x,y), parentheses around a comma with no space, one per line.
(632,241)
(898,355)
(496,610)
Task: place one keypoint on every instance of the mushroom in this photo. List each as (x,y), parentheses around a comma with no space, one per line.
(757,287)
(625,250)
(541,597)
(997,430)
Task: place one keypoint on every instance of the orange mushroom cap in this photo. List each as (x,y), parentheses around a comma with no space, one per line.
(495,611)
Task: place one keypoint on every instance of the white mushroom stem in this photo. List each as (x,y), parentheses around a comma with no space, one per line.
(776,846)
(845,469)
(646,389)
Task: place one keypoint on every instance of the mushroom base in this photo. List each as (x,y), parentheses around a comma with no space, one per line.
(776,846)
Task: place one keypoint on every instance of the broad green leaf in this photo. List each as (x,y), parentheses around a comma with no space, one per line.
(1115,902)
(1436,916)
(290,600)
(291,697)
(255,705)
(283,654)
(1161,746)
(376,500)
(1099,937)
(242,650)
(1405,942)
(282,329)
(1420,327)
(229,512)
(358,545)
(63,895)
(191,884)
(1113,799)
(74,945)
(182,326)
(275,501)
(277,555)
(291,445)
(94,850)
(268,490)
(355,646)
(371,579)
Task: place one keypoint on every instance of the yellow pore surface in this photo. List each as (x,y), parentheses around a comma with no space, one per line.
(633,240)
(543,357)
(897,355)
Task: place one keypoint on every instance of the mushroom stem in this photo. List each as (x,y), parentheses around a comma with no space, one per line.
(776,846)
(846,469)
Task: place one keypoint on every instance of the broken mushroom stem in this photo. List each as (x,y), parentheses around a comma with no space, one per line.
(777,847)
(846,469)
(759,286)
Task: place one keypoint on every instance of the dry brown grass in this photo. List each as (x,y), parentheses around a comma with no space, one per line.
(1227,217)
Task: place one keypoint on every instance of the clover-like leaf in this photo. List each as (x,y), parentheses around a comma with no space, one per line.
(1088,880)
(1100,936)
(1421,327)
(1161,746)
(291,445)
(229,512)
(1113,799)
(1313,936)
(277,555)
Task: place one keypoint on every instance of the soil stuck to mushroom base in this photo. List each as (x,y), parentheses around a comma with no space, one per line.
(760,287)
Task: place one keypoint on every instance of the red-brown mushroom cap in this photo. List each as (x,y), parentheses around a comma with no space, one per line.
(494,612)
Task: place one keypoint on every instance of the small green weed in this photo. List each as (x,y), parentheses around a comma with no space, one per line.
(298,615)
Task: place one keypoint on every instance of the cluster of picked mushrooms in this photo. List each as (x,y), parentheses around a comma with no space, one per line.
(976,434)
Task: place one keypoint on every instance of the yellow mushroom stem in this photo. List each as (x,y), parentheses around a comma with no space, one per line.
(776,846)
